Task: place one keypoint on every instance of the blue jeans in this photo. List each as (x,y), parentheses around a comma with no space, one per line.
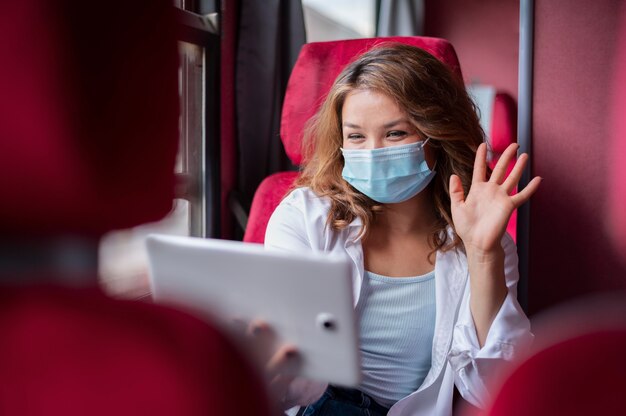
(337,401)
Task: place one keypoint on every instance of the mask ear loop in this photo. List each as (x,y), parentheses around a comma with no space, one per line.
(424,144)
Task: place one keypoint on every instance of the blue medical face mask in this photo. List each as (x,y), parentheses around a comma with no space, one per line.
(388,174)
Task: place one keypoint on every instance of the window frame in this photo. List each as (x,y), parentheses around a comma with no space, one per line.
(199,182)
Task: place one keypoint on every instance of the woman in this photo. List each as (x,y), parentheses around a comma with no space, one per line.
(396,179)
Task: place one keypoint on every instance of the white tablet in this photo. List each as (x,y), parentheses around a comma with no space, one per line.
(306,297)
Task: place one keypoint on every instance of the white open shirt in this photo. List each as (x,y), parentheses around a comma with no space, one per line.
(299,224)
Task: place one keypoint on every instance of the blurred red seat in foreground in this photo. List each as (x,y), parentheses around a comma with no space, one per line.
(578,364)
(88,132)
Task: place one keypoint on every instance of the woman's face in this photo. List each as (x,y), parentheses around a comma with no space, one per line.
(371,120)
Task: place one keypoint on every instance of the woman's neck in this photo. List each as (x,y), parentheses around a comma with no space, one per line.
(415,216)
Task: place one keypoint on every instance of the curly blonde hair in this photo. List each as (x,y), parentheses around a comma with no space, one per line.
(438,106)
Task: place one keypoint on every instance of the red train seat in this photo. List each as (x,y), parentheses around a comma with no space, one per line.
(316,68)
(89,133)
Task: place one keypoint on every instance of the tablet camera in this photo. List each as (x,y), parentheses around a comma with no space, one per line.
(326,321)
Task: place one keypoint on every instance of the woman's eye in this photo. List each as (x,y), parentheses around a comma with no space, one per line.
(355,137)
(396,134)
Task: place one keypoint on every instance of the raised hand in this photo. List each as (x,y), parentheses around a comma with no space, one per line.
(480,219)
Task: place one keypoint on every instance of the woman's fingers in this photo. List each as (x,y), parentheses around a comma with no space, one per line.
(277,361)
(457,195)
(258,327)
(516,173)
(262,339)
(284,360)
(499,171)
(279,386)
(480,164)
(523,196)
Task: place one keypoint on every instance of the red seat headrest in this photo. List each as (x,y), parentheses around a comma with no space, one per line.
(316,69)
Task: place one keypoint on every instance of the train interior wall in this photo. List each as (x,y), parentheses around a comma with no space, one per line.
(575,41)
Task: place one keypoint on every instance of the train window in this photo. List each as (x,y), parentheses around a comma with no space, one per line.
(339,19)
(190,162)
(122,258)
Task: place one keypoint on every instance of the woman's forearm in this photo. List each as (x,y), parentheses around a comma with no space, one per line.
(487,288)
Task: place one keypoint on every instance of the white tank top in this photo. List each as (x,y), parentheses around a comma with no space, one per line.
(397,323)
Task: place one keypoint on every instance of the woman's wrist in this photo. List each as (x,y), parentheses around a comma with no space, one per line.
(486,270)
(485,257)
(487,287)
